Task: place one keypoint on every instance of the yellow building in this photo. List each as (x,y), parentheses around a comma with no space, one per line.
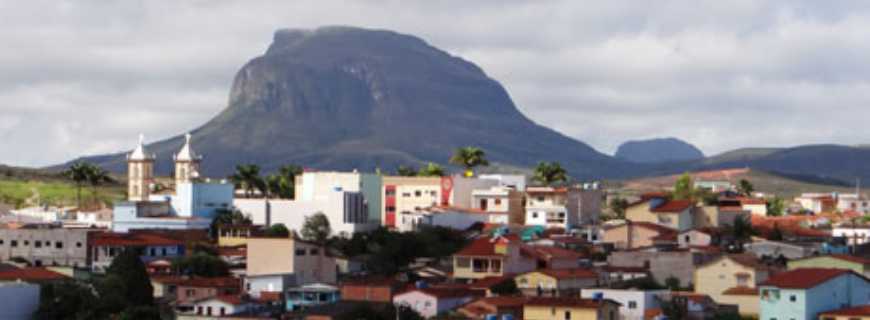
(559,282)
(551,308)
(732,279)
(409,194)
(854,313)
(675,214)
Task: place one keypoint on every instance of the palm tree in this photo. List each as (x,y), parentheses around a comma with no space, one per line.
(406,171)
(548,173)
(96,176)
(247,177)
(432,170)
(468,158)
(78,173)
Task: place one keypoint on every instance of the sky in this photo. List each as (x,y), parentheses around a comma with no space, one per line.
(87,77)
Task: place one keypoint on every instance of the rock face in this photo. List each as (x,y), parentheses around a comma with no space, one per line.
(658,151)
(347,98)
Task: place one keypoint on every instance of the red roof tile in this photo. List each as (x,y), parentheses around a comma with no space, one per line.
(546,252)
(31,274)
(485,246)
(269,296)
(853,311)
(503,301)
(451,292)
(570,273)
(131,239)
(200,282)
(741,291)
(231,299)
(673,206)
(804,278)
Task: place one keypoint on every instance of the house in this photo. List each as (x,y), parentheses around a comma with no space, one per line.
(189,290)
(371,289)
(733,279)
(105,246)
(802,294)
(556,258)
(699,237)
(774,249)
(430,302)
(450,217)
(662,265)
(632,234)
(634,303)
(558,282)
(192,205)
(548,308)
(409,194)
(817,202)
(20,300)
(675,214)
(216,306)
(493,257)
(853,202)
(850,313)
(276,264)
(610,275)
(500,199)
(717,216)
(309,295)
(839,261)
(697,306)
(501,307)
(855,235)
(755,206)
(563,208)
(46,244)
(237,234)
(514,181)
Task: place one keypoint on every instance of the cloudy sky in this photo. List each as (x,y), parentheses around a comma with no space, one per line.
(86,77)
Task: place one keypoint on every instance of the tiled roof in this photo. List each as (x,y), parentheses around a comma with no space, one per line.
(231,299)
(31,274)
(567,302)
(131,239)
(673,206)
(452,292)
(844,257)
(503,301)
(485,246)
(547,252)
(569,273)
(269,296)
(200,282)
(488,282)
(804,278)
(853,311)
(610,268)
(741,291)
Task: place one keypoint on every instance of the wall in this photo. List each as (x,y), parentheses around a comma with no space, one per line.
(463,188)
(201,199)
(19,300)
(695,238)
(280,257)
(363,292)
(679,264)
(425,305)
(551,313)
(618,236)
(774,249)
(73,249)
(642,300)
(826,262)
(715,277)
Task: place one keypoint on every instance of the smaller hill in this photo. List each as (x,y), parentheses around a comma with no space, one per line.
(658,151)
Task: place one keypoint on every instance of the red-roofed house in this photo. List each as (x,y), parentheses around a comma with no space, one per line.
(501,306)
(429,302)
(851,313)
(375,289)
(218,306)
(559,282)
(549,308)
(105,246)
(555,257)
(803,294)
(493,257)
(733,279)
(35,275)
(675,214)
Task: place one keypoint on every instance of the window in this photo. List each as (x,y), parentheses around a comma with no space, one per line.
(199,310)
(390,193)
(497,201)
(300,252)
(1,241)
(463,262)
(26,242)
(209,310)
(163,251)
(37,244)
(632,304)
(496,265)
(391,209)
(58,245)
(78,244)
(534,215)
(152,252)
(567,315)
(13,243)
(314,252)
(540,199)
(223,311)
(428,304)
(418,193)
(792,298)
(406,194)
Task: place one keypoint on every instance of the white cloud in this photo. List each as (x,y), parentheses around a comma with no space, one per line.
(85,77)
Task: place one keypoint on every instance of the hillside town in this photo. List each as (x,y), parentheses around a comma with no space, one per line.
(427,244)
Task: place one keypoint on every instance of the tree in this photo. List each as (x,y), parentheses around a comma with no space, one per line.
(278,230)
(745,188)
(247,177)
(469,158)
(548,173)
(741,230)
(776,233)
(283,184)
(202,265)
(67,300)
(96,176)
(775,206)
(140,313)
(78,173)
(126,284)
(505,288)
(225,217)
(618,206)
(432,170)
(316,228)
(683,188)
(406,171)
(672,283)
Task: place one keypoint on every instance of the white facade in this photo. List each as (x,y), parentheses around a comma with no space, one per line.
(19,300)
(852,202)
(450,218)
(428,305)
(854,235)
(515,181)
(495,199)
(346,211)
(199,199)
(633,302)
(562,208)
(216,307)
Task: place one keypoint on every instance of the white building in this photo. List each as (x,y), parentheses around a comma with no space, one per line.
(515,181)
(857,235)
(633,302)
(455,218)
(20,300)
(564,208)
(853,202)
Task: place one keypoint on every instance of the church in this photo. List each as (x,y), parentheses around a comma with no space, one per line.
(192,204)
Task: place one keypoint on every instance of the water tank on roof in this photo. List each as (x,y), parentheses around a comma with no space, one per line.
(598,296)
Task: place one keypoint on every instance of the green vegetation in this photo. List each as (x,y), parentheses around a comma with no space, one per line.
(548,173)
(775,206)
(316,228)
(505,288)
(201,264)
(21,193)
(432,170)
(618,206)
(683,188)
(469,158)
(247,177)
(278,230)
(404,171)
(388,252)
(745,188)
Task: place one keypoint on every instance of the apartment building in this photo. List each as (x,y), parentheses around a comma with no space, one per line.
(46,245)
(563,208)
(409,194)
(276,264)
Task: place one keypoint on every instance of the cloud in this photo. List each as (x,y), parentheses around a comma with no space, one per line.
(85,77)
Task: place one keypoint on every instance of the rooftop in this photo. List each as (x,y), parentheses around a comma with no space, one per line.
(673,206)
(31,274)
(853,311)
(804,278)
(567,302)
(569,273)
(131,239)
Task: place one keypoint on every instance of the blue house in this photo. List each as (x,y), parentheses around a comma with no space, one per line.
(802,294)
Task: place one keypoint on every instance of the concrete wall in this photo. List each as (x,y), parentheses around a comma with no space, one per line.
(634,302)
(57,246)
(679,264)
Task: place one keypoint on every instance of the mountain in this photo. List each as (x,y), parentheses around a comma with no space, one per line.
(658,151)
(783,185)
(348,98)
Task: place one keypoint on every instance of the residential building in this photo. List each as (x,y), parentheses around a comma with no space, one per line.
(430,302)
(500,200)
(310,295)
(46,245)
(515,181)
(503,307)
(733,279)
(370,289)
(274,265)
(817,202)
(216,306)
(610,275)
(563,208)
(674,214)
(789,250)
(317,185)
(802,294)
(717,216)
(633,304)
(192,205)
(493,257)
(461,191)
(697,306)
(850,313)
(755,206)
(190,290)
(838,261)
(556,282)
(550,257)
(237,235)
(632,235)
(450,217)
(854,235)
(549,308)
(105,246)
(409,194)
(853,202)
(20,300)
(680,264)
(699,237)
